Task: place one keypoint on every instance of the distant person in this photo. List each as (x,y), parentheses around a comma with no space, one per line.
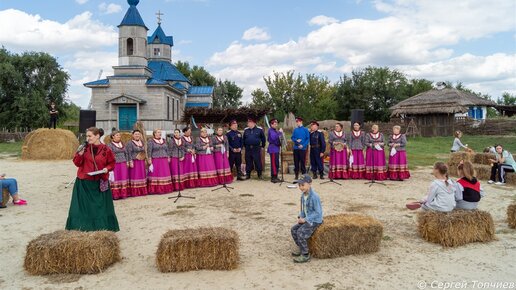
(12,186)
(503,163)
(102,136)
(53,116)
(309,219)
(469,190)
(441,195)
(457,144)
(301,139)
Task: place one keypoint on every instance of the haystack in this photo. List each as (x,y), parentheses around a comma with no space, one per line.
(72,252)
(511,215)
(456,228)
(457,157)
(483,172)
(196,249)
(510,178)
(483,158)
(5,196)
(346,234)
(126,137)
(49,144)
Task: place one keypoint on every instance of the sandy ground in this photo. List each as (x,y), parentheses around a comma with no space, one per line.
(262,214)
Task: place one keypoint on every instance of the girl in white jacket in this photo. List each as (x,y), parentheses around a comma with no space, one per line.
(441,195)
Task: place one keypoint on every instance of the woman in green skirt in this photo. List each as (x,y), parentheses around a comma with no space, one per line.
(92,207)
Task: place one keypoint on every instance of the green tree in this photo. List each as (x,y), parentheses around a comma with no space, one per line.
(227,95)
(507,99)
(197,75)
(261,99)
(285,90)
(317,101)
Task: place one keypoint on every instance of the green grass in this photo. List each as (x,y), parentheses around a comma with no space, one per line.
(11,148)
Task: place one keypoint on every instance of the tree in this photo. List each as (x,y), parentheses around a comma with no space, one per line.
(227,95)
(317,101)
(285,90)
(507,99)
(261,99)
(197,75)
(28,83)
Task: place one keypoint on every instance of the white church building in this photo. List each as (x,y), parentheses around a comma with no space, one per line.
(145,86)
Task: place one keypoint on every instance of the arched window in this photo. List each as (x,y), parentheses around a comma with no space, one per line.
(130,46)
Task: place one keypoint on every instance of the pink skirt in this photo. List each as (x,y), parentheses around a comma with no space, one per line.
(120,187)
(177,172)
(357,169)
(138,178)
(190,171)
(207,171)
(222,166)
(378,165)
(338,164)
(398,169)
(159,180)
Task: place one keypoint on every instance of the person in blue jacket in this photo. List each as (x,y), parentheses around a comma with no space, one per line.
(301,138)
(317,149)
(310,217)
(235,148)
(254,141)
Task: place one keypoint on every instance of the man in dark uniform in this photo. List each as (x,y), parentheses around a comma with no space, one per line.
(317,148)
(53,116)
(235,148)
(254,141)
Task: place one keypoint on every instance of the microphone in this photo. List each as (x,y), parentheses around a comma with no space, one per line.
(82,146)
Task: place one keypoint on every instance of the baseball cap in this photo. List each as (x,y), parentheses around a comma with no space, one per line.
(305,178)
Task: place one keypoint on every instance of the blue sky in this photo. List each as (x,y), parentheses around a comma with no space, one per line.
(469,41)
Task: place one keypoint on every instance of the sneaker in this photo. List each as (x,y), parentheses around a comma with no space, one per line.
(240,178)
(490,181)
(20,202)
(296,253)
(302,259)
(499,183)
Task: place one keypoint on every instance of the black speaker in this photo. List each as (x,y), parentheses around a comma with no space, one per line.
(357,115)
(87,118)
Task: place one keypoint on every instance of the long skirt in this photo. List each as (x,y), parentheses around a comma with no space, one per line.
(222,166)
(191,175)
(398,169)
(159,180)
(91,209)
(177,173)
(138,178)
(378,166)
(357,168)
(120,187)
(338,164)
(207,171)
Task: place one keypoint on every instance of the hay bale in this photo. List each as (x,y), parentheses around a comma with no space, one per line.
(483,158)
(510,178)
(346,234)
(5,196)
(196,249)
(50,144)
(72,252)
(483,172)
(511,216)
(456,228)
(126,137)
(457,157)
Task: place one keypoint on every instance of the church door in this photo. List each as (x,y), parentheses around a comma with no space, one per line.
(126,118)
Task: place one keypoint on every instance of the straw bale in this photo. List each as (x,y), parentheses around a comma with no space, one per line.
(511,216)
(50,144)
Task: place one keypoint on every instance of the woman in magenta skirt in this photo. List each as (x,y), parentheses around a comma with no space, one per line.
(137,173)
(220,155)
(375,155)
(159,180)
(176,150)
(357,145)
(190,162)
(119,177)
(205,162)
(338,154)
(398,169)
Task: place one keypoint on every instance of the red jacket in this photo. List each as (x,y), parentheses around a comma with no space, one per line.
(104,158)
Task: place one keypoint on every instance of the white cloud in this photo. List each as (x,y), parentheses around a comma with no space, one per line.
(110,8)
(322,20)
(80,2)
(256,33)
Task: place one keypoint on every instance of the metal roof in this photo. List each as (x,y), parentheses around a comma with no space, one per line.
(159,36)
(191,105)
(103,82)
(201,90)
(165,71)
(133,18)
(179,86)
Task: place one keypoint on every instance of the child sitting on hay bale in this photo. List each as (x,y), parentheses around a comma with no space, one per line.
(441,195)
(310,217)
(469,190)
(503,163)
(457,144)
(11,186)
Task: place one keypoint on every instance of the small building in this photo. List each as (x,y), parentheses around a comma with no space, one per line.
(435,112)
(145,86)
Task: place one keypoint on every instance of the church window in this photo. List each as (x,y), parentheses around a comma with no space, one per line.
(157,51)
(130,46)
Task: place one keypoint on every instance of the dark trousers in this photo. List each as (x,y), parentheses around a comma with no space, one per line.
(235,158)
(299,161)
(301,233)
(275,164)
(316,162)
(53,122)
(499,170)
(253,159)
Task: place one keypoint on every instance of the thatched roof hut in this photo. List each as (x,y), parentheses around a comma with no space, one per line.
(506,110)
(435,111)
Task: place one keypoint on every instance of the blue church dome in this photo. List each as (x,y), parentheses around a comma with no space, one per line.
(133,2)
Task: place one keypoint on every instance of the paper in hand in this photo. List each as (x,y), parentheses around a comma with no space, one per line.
(98,172)
(350,159)
(377,147)
(151,168)
(393,151)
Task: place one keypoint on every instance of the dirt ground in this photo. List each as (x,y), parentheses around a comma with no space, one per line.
(262,214)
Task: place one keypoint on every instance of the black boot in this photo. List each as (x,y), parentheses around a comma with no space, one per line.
(239,177)
(297,176)
(322,176)
(274,179)
(260,176)
(315,175)
(248,176)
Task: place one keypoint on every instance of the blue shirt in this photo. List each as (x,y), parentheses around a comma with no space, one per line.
(254,137)
(303,134)
(234,140)
(317,141)
(313,209)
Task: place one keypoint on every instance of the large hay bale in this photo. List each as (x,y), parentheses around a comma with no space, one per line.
(126,137)
(50,144)
(5,196)
(457,157)
(346,234)
(511,216)
(456,228)
(510,178)
(483,172)
(196,249)
(483,158)
(72,252)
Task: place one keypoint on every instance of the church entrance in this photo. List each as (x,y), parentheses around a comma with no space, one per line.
(126,117)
